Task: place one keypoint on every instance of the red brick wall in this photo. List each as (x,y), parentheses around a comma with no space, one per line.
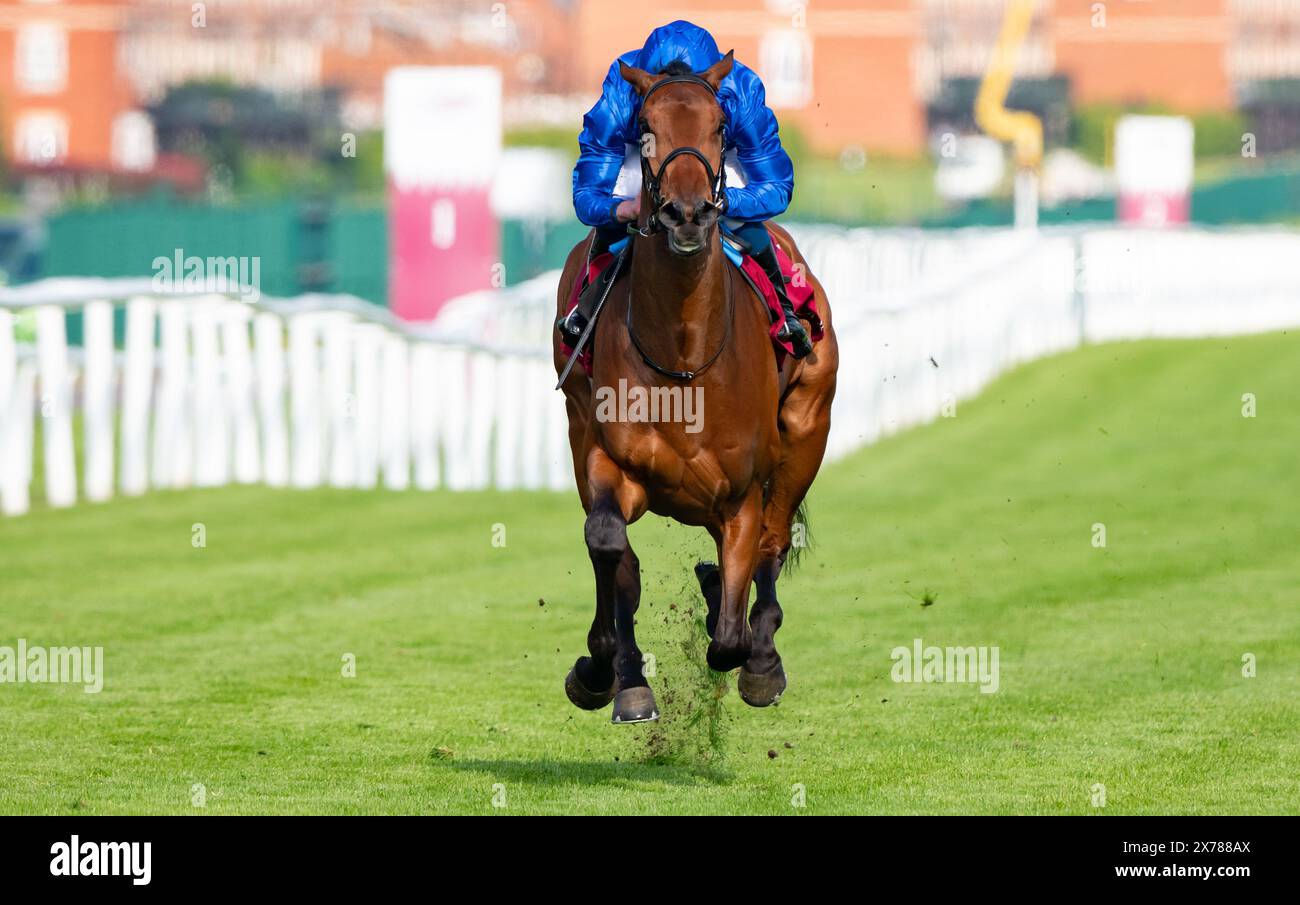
(861,60)
(1168,51)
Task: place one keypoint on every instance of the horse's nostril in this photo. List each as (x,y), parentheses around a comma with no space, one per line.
(675,213)
(672,212)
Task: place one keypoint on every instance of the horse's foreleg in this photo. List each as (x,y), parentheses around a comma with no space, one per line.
(591,683)
(614,667)
(738,551)
(635,702)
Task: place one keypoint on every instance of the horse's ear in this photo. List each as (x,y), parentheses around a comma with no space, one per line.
(639,79)
(719,70)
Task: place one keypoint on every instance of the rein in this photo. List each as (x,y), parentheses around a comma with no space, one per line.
(686,375)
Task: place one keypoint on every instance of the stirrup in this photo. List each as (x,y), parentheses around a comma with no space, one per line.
(571,327)
(793,331)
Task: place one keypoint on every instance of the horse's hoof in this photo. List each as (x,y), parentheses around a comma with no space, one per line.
(583,697)
(635,705)
(761,689)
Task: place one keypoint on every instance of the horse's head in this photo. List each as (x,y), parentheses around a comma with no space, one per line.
(682,122)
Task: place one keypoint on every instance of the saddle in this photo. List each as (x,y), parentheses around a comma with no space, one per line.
(600,271)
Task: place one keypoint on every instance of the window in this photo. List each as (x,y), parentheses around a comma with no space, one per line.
(41,58)
(133,142)
(41,138)
(786,60)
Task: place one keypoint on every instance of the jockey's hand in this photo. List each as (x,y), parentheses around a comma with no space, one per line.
(628,210)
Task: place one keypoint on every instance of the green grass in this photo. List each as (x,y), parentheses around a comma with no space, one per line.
(1119,666)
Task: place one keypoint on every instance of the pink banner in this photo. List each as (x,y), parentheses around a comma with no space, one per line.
(1154,208)
(442,146)
(442,243)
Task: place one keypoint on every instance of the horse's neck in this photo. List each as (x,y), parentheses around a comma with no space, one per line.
(679,316)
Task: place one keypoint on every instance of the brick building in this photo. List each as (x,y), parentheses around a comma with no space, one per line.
(863,72)
(75,74)
(63,99)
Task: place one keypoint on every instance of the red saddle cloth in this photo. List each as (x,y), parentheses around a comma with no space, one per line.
(797,287)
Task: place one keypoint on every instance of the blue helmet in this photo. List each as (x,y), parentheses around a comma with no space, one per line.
(752,130)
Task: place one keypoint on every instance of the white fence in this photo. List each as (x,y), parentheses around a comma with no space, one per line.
(320,390)
(925,317)
(329,390)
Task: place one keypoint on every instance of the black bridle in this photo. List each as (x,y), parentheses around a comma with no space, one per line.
(652,180)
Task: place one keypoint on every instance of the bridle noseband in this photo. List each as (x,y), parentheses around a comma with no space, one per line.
(653,180)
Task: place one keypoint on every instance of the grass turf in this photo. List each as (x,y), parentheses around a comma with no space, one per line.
(1120,665)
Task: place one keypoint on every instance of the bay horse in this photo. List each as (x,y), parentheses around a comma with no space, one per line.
(685,318)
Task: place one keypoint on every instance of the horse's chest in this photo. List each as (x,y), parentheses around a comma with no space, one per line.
(649,452)
(680,460)
(691,445)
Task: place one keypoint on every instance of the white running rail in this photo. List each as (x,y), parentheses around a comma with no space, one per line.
(319,390)
(208,390)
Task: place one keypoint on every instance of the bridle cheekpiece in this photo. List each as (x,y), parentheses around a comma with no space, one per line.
(653,180)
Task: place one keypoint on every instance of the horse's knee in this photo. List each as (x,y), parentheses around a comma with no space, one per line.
(606,534)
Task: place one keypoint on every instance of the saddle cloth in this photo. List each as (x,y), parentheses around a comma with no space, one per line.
(797,287)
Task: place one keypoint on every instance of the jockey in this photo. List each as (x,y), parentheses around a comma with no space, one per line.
(606,190)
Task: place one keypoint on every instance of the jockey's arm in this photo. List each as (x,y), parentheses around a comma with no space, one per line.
(769,174)
(602,145)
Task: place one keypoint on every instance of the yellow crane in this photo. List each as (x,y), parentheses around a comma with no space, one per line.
(1023,129)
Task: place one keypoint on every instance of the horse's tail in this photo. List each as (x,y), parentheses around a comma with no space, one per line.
(801,538)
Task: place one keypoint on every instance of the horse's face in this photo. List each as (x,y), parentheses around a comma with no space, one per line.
(683,115)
